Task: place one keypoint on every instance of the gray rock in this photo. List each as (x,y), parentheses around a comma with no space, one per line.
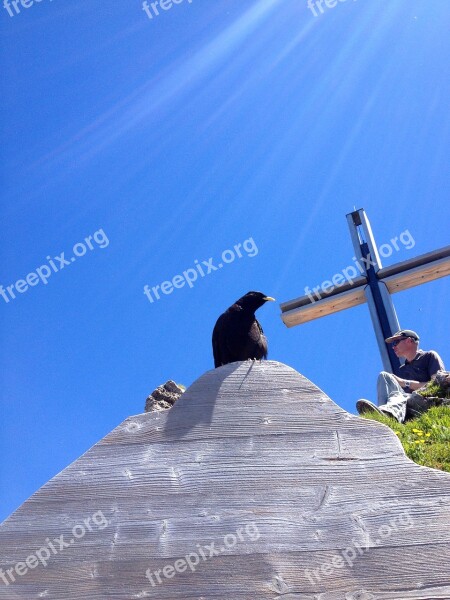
(164,397)
(419,401)
(443,379)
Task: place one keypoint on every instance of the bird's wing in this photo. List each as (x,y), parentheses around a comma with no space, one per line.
(259,325)
(245,341)
(223,340)
(258,340)
(229,337)
(216,344)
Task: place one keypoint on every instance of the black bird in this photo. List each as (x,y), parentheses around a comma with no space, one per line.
(237,335)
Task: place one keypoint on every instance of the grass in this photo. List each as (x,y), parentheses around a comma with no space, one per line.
(433,389)
(426,440)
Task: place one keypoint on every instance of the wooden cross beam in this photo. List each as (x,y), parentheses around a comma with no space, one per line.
(374,286)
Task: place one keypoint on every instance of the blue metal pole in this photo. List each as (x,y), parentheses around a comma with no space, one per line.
(382,311)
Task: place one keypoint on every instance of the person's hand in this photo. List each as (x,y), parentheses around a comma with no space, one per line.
(401,382)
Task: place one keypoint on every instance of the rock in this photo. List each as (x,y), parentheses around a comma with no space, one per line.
(417,404)
(438,386)
(421,400)
(163,397)
(443,379)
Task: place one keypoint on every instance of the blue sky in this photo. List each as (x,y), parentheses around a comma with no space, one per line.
(169,140)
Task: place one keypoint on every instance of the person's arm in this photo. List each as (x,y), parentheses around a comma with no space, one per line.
(435,364)
(416,385)
(411,384)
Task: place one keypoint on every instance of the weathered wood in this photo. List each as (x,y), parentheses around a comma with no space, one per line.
(435,258)
(399,277)
(328,304)
(414,276)
(250,447)
(305,301)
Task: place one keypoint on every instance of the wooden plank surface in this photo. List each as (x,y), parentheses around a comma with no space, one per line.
(398,277)
(436,257)
(327,305)
(416,276)
(335,290)
(320,504)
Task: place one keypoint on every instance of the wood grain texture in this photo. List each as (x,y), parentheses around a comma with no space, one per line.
(300,500)
(328,304)
(347,286)
(398,277)
(417,276)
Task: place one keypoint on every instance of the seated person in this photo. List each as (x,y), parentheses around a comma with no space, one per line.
(394,390)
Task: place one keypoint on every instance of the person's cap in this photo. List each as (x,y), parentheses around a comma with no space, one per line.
(402,335)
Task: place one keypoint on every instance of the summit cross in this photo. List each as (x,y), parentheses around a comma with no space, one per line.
(374,286)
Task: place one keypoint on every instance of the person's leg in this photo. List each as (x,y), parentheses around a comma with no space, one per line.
(387,385)
(416,406)
(396,406)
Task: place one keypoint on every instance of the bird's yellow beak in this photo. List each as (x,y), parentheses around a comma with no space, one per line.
(269,299)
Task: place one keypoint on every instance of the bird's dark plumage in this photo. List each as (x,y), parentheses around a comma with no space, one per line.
(237,335)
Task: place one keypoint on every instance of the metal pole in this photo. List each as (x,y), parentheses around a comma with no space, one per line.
(382,311)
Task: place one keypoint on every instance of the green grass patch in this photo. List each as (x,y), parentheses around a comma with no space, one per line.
(426,440)
(434,389)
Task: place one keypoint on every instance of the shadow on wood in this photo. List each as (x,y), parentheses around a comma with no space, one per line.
(293,497)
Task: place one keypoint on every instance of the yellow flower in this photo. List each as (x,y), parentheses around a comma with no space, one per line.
(419,441)
(419,432)
(416,430)
(428,434)
(397,432)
